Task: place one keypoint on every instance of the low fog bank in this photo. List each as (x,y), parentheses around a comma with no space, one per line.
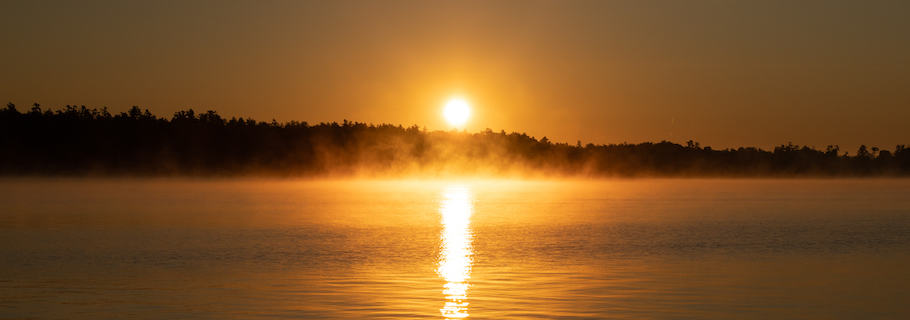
(77,141)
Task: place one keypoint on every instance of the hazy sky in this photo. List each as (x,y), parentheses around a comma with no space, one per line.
(726,73)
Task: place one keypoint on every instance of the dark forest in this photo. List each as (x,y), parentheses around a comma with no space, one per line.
(76,140)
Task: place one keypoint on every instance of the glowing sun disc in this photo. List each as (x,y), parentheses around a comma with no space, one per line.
(457,111)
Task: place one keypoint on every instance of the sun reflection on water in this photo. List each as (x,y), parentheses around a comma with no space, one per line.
(456,254)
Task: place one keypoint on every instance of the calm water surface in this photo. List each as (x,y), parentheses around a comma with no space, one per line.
(677,249)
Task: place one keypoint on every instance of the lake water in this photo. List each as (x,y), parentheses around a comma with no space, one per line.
(641,248)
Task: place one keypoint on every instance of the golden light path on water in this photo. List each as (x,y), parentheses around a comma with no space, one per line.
(456,253)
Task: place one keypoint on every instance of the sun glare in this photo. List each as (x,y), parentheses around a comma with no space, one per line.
(456,252)
(457,111)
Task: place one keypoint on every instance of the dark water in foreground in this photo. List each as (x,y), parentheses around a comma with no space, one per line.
(759,249)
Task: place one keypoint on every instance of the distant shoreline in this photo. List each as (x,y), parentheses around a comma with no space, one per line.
(81,142)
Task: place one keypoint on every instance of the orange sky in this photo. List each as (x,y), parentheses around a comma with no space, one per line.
(726,73)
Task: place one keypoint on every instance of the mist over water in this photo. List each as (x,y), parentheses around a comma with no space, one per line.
(475,249)
(82,142)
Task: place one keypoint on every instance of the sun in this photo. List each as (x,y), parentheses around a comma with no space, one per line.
(457,111)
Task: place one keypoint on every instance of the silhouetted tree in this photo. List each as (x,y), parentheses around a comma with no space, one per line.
(79,140)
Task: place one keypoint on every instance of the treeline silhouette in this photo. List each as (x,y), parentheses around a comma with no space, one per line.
(77,140)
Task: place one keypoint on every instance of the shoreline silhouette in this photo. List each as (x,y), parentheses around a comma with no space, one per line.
(76,140)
